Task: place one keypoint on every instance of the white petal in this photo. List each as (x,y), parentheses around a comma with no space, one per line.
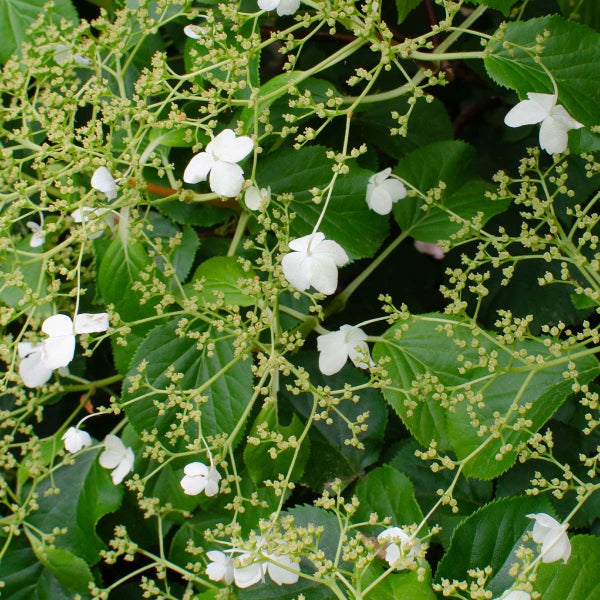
(553,136)
(212,487)
(226,179)
(246,576)
(58,351)
(392,554)
(24,349)
(196,469)
(380,177)
(358,350)
(230,148)
(556,546)
(546,101)
(330,250)
(37,239)
(294,265)
(33,371)
(123,467)
(428,248)
(81,60)
(301,244)
(281,575)
(62,54)
(91,323)
(114,452)
(379,200)
(76,439)
(198,168)
(526,112)
(288,7)
(394,188)
(268,4)
(569,122)
(516,595)
(194,32)
(323,274)
(104,182)
(192,486)
(58,325)
(333,352)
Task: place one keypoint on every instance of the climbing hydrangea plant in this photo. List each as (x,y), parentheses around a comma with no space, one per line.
(299,299)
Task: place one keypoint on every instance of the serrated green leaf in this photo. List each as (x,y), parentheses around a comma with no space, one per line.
(388,493)
(348,220)
(70,570)
(491,536)
(16,16)
(404,586)
(571,54)
(223,380)
(576,579)
(463,195)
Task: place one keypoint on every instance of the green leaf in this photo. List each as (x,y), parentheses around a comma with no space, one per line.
(16,16)
(491,536)
(502,5)
(216,381)
(463,195)
(571,54)
(576,579)
(348,220)
(259,462)
(404,7)
(404,586)
(388,493)
(583,11)
(220,277)
(70,570)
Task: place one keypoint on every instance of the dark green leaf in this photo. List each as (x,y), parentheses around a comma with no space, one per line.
(583,11)
(404,7)
(404,586)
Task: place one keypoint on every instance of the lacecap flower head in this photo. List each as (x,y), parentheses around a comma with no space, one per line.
(337,346)
(383,191)
(218,163)
(314,262)
(556,121)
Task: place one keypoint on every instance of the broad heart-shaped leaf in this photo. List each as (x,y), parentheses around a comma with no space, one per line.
(571,54)
(216,382)
(576,579)
(87,493)
(491,537)
(348,219)
(70,570)
(431,395)
(388,493)
(259,462)
(330,456)
(17,15)
(452,162)
(26,578)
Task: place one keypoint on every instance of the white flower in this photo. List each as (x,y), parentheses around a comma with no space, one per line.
(194,32)
(336,347)
(428,248)
(257,200)
(515,595)
(116,456)
(383,191)
(76,439)
(553,537)
(284,7)
(200,478)
(282,569)
(39,235)
(555,120)
(87,214)
(399,545)
(104,182)
(248,573)
(219,159)
(221,566)
(314,261)
(32,370)
(58,349)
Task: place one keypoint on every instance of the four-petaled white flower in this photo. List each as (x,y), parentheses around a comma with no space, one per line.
(434,250)
(556,121)
(398,544)
(32,370)
(314,262)
(116,456)
(515,595)
(38,236)
(200,478)
(553,537)
(194,32)
(383,191)
(104,182)
(257,199)
(221,566)
(337,346)
(75,439)
(283,7)
(220,160)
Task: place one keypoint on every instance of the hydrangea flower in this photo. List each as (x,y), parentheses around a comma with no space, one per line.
(32,370)
(515,595)
(398,544)
(116,456)
(104,182)
(200,478)
(38,236)
(556,121)
(76,439)
(221,566)
(194,32)
(337,346)
(220,161)
(283,7)
(553,537)
(87,214)
(257,199)
(383,191)
(314,262)
(434,250)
